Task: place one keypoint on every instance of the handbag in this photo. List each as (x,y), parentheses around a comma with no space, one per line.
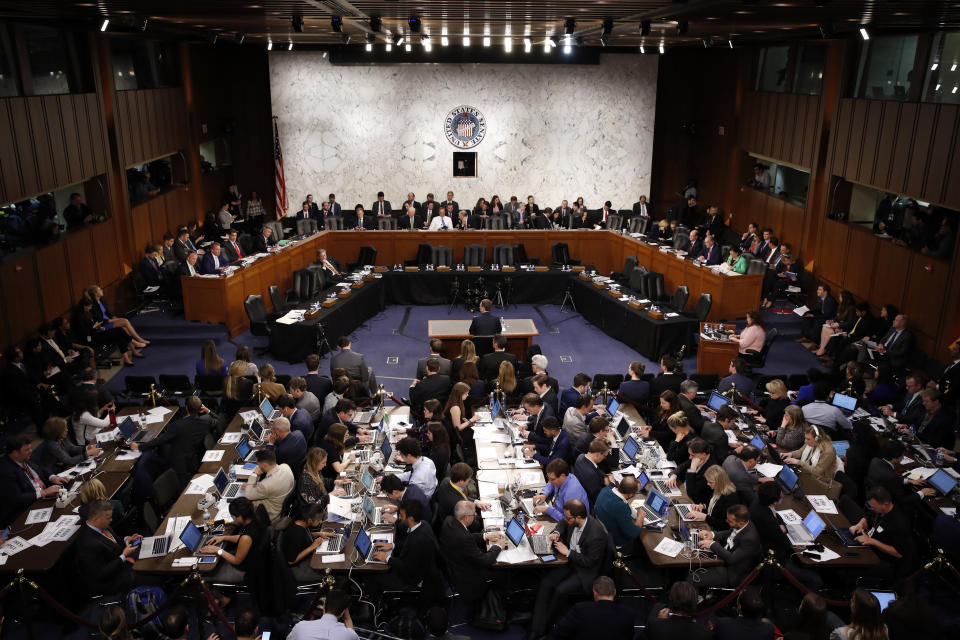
(491,614)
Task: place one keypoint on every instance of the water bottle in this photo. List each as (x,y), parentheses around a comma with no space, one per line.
(233,473)
(939,457)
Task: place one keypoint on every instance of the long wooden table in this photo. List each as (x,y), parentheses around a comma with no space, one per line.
(519,333)
(220,300)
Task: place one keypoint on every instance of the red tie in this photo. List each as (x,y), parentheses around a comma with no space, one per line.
(34,478)
(237,249)
(106,533)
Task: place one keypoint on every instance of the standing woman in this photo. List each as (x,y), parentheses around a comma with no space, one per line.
(210,362)
(468,353)
(102,314)
(455,419)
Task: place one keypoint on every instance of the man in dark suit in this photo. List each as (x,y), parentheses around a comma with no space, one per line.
(354,363)
(263,241)
(324,215)
(23,480)
(313,210)
(485,324)
(896,346)
(214,260)
(949,381)
(881,473)
(463,546)
(910,409)
(641,208)
(77,212)
(300,419)
(684,212)
(446,367)
(181,441)
(317,384)
(343,412)
(539,413)
(435,385)
(738,547)
(936,428)
(825,309)
(599,219)
(231,248)
(189,266)
(667,380)
(361,220)
(750,622)
(583,541)
(330,267)
(541,386)
(183,245)
(412,220)
(601,618)
(715,223)
(335,208)
(540,221)
(737,376)
(555,445)
(694,246)
(677,620)
(88,379)
(749,236)
(451,201)
(395,490)
(688,390)
(570,395)
(490,363)
(710,255)
(588,471)
(452,490)
(104,560)
(566,213)
(413,561)
(381,208)
(520,219)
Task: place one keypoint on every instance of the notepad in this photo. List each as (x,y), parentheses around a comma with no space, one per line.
(213,455)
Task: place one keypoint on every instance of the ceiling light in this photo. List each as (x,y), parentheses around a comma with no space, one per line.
(444,41)
(336,23)
(324,55)
(552,41)
(569,26)
(375,24)
(296,22)
(642,50)
(508,44)
(486,41)
(954,90)
(934,66)
(290,47)
(269,46)
(399,41)
(427,45)
(239,38)
(662,49)
(389,46)
(937,88)
(953,67)
(408,47)
(466,41)
(106,23)
(369,47)
(567,48)
(414,23)
(864,34)
(730,42)
(526,45)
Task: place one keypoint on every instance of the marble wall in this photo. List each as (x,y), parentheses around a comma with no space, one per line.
(554,131)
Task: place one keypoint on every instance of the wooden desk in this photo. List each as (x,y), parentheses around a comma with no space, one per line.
(714,356)
(650,539)
(519,333)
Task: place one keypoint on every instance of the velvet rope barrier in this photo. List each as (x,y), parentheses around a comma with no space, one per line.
(733,594)
(212,602)
(805,589)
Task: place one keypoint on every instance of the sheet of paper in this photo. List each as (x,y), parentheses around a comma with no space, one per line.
(493,476)
(789,516)
(231,438)
(159,411)
(249,416)
(486,453)
(15,545)
(343,507)
(921,473)
(801,310)
(731,436)
(36,516)
(523,553)
(949,511)
(199,485)
(333,558)
(129,454)
(154,418)
(213,455)
(906,460)
(188,561)
(488,489)
(530,478)
(822,504)
(669,547)
(241,470)
(794,289)
(768,469)
(827,555)
(108,436)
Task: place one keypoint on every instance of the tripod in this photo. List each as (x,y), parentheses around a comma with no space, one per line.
(498,298)
(568,298)
(322,340)
(454,294)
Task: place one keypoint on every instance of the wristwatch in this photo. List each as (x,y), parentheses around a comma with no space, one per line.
(219,552)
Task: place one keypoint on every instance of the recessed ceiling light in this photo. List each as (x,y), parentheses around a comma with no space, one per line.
(864,34)
(712,18)
(743,13)
(934,66)
(508,44)
(953,67)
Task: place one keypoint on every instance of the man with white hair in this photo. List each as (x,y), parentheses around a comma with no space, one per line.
(467,560)
(289,446)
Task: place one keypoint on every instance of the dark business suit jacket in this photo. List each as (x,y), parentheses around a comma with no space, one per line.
(318,385)
(588,562)
(743,557)
(548,450)
(404,222)
(353,362)
(446,498)
(665,382)
(435,386)
(212,263)
(231,253)
(939,431)
(18,490)
(414,559)
(899,352)
(693,248)
(711,255)
(490,364)
(99,565)
(600,619)
(381,209)
(590,476)
(485,324)
(456,206)
(261,244)
(768,528)
(446,367)
(369,222)
(694,417)
(181,441)
(468,561)
(182,249)
(150,271)
(676,628)
(335,209)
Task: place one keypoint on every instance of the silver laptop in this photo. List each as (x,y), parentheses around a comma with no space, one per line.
(226,489)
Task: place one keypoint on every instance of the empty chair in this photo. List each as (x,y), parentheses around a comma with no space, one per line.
(306,227)
(209,385)
(334,223)
(681,237)
(704,302)
(474,255)
(638,281)
(366,257)
(756,266)
(139,385)
(638,225)
(503,254)
(614,222)
(257,315)
(495,222)
(706,381)
(680,297)
(520,255)
(561,254)
(613,381)
(165,490)
(628,266)
(304,287)
(175,384)
(655,286)
(424,255)
(442,256)
(387,224)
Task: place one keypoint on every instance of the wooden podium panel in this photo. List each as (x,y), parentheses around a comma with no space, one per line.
(519,333)
(714,356)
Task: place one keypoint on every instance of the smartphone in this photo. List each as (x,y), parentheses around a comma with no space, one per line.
(207,559)
(265,635)
(136,543)
(5,533)
(549,558)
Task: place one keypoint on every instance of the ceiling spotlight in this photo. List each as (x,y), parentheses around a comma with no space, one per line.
(508,44)
(427,45)
(375,24)
(682,27)
(369,47)
(934,66)
(106,23)
(399,41)
(953,67)
(526,45)
(408,47)
(551,41)
(954,90)
(269,46)
(444,41)
(346,38)
(730,42)
(642,50)
(466,41)
(567,48)
(388,47)
(290,47)
(607,26)
(569,26)
(414,23)
(336,23)
(324,55)
(297,23)
(644,27)
(486,41)
(864,33)
(662,48)
(604,41)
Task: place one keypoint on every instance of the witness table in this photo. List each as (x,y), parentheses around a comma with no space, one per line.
(519,333)
(714,356)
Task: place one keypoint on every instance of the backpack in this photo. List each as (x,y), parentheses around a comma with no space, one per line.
(140,603)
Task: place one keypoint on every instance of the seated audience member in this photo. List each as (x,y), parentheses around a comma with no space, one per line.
(438,448)
(555,447)
(243,551)
(468,353)
(434,385)
(244,356)
(936,427)
(453,489)
(313,487)
(577,416)
(464,548)
(150,267)
(612,508)
(490,363)
(824,310)
(711,252)
(300,540)
(23,480)
(792,427)
(682,435)
(56,453)
(446,366)
(818,458)
(634,388)
(338,459)
(305,399)
(180,440)
(86,417)
(750,622)
(270,483)
(470,376)
(413,561)
(741,469)
(688,391)
(736,262)
(716,511)
(299,419)
(738,546)
(866,620)
(603,617)
(290,447)
(569,396)
(92,490)
(910,409)
(210,363)
(269,385)
(394,489)
(668,404)
(422,473)
(843,323)
(587,468)
(564,485)
(677,620)
(582,540)
(821,413)
(716,432)
(599,429)
(895,346)
(886,529)
(104,560)
(264,241)
(505,384)
(753,335)
(237,389)
(774,404)
(737,376)
(692,472)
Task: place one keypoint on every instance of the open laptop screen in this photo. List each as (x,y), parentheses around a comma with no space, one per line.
(788,478)
(220,481)
(630,447)
(191,537)
(613,406)
(256,428)
(844,402)
(128,427)
(515,532)
(362,543)
(266,408)
(942,481)
(758,442)
(386,450)
(243,449)
(716,401)
(814,523)
(841,446)
(656,502)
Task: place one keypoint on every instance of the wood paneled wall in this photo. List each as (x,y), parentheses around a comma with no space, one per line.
(48,142)
(900,147)
(150,123)
(782,126)
(157,216)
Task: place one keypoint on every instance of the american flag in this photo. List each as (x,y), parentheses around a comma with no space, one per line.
(280,183)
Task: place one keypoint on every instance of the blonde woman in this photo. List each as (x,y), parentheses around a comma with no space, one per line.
(507,379)
(93,490)
(268,383)
(312,487)
(210,362)
(468,353)
(724,496)
(682,435)
(776,404)
(818,458)
(790,434)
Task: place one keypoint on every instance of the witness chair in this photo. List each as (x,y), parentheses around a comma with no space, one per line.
(614,222)
(367,256)
(503,254)
(306,227)
(680,297)
(333,223)
(703,308)
(424,256)
(561,254)
(613,381)
(177,385)
(139,386)
(496,222)
(629,265)
(474,255)
(520,255)
(280,305)
(442,256)
(259,319)
(639,225)
(387,224)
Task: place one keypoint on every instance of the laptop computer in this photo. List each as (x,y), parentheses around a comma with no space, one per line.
(846,403)
(226,489)
(194,539)
(154,547)
(364,546)
(131,432)
(841,446)
(244,450)
(758,442)
(254,430)
(942,482)
(629,450)
(387,450)
(495,409)
(368,481)
(269,413)
(806,532)
(655,506)
(613,406)
(788,479)
(621,427)
(515,532)
(683,510)
(884,597)
(364,417)
(373,512)
(642,481)
(717,400)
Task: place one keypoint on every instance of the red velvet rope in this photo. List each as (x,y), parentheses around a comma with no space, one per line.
(804,589)
(729,597)
(216,607)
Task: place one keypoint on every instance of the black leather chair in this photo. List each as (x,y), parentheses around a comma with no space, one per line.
(614,222)
(706,381)
(628,266)
(503,254)
(258,317)
(277,229)
(655,286)
(680,297)
(520,255)
(442,256)
(306,227)
(756,266)
(474,255)
(137,386)
(304,288)
(757,359)
(681,237)
(638,281)
(703,308)
(613,381)
(495,222)
(280,305)
(424,256)
(245,240)
(561,254)
(367,256)
(639,225)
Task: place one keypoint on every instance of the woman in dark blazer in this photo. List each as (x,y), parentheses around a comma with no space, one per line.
(714,512)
